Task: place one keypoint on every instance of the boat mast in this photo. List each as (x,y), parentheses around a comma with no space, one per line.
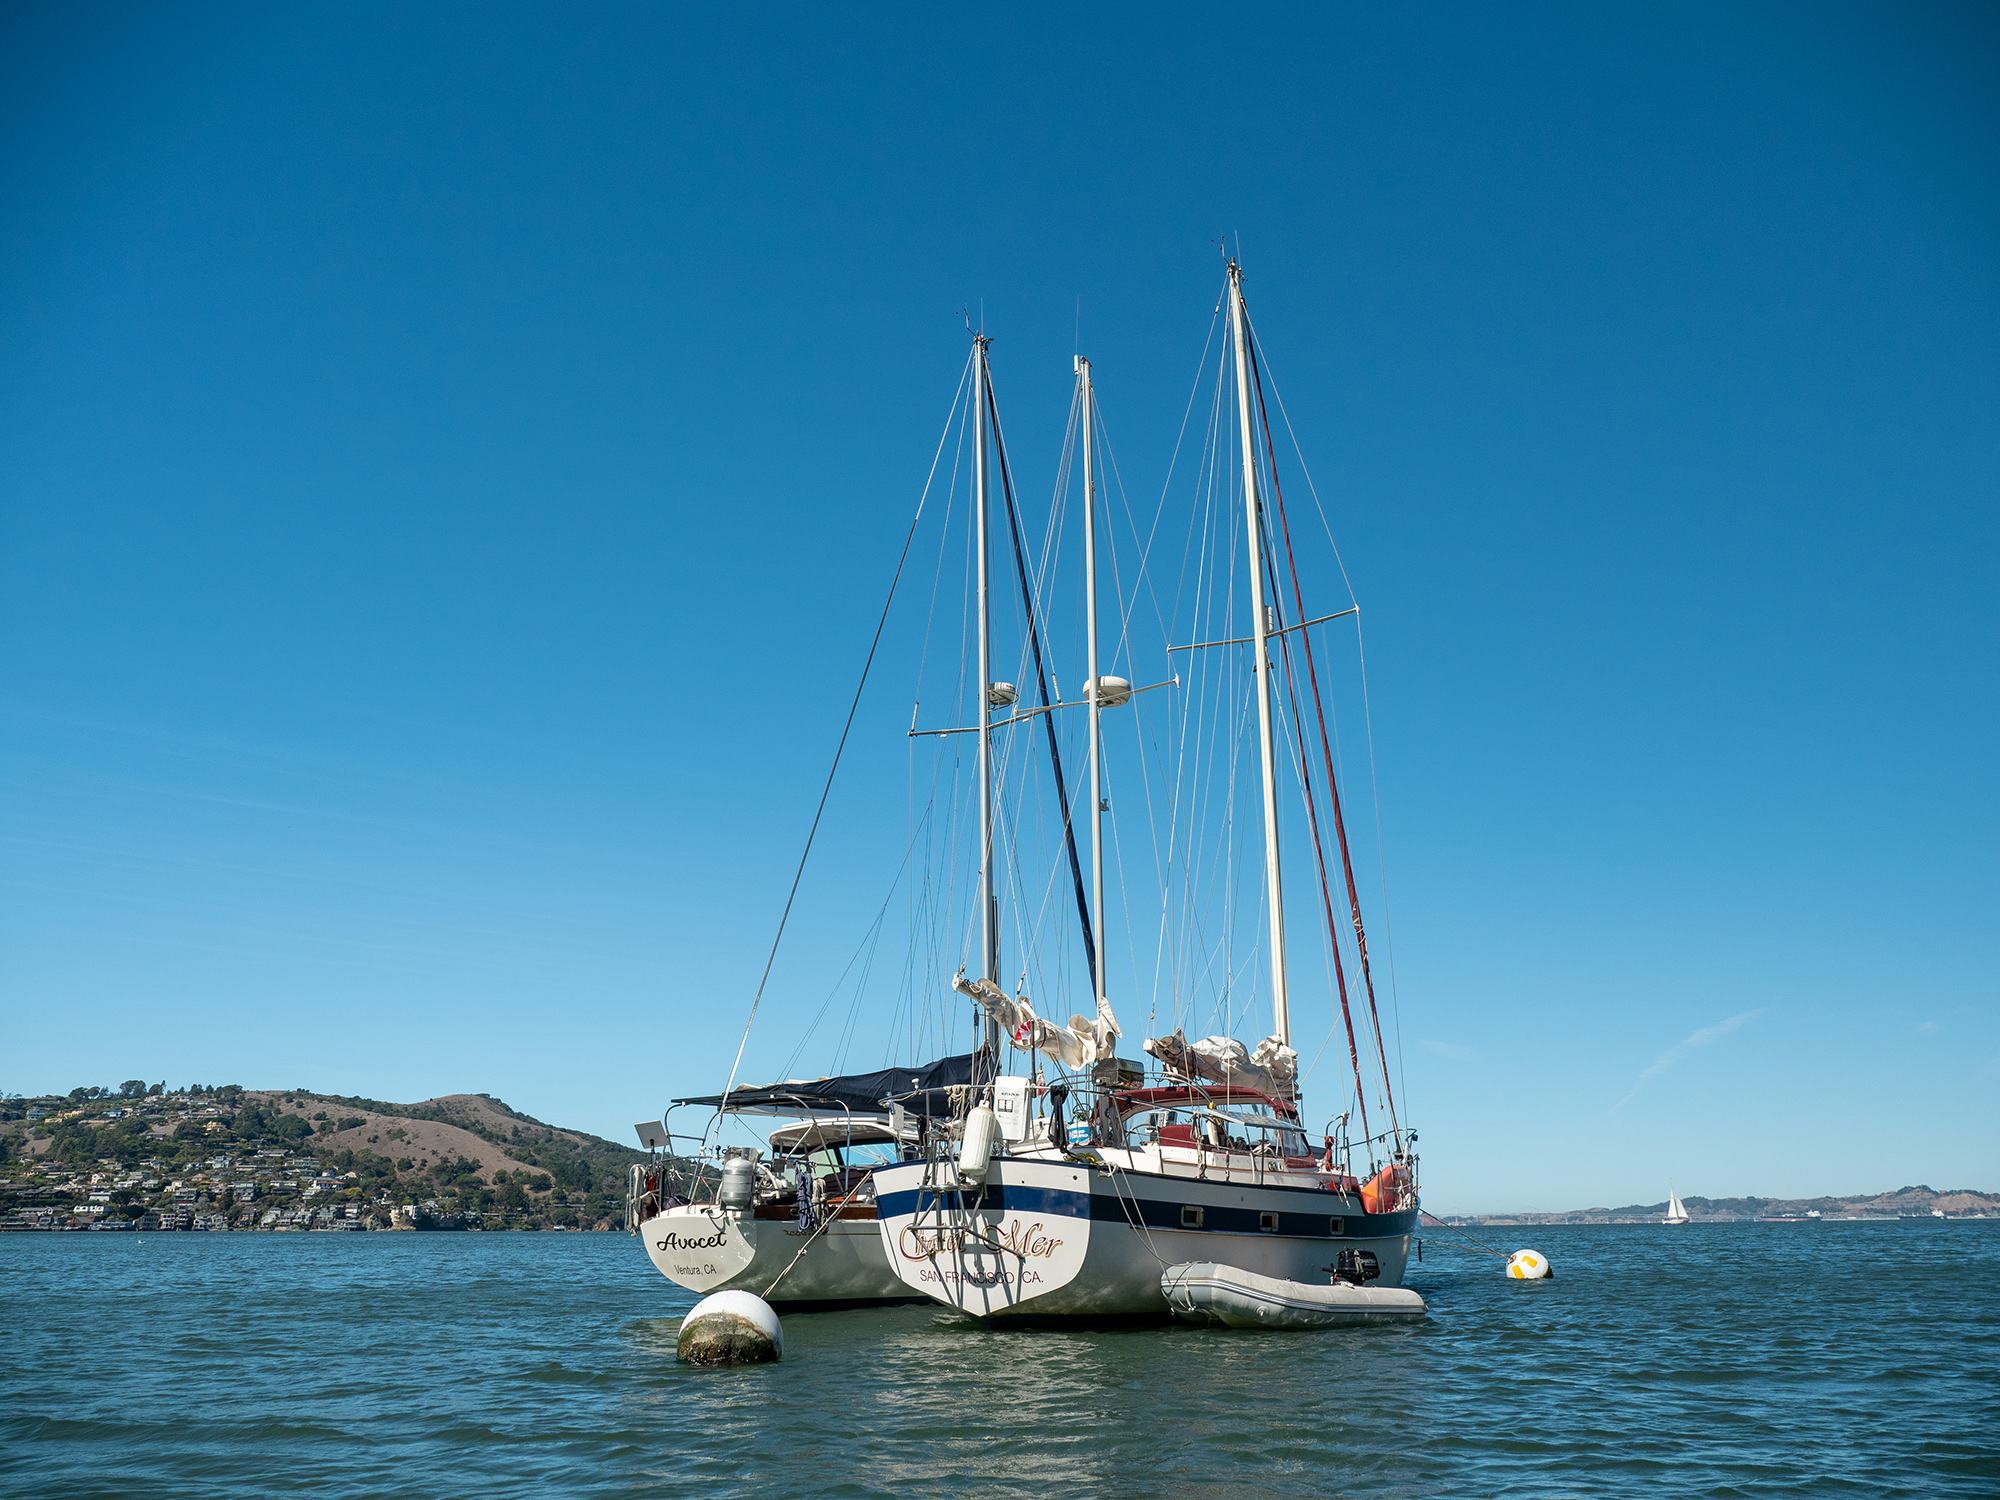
(1261,624)
(1096,707)
(989,912)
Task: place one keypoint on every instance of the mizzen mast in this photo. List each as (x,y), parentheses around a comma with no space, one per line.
(1095,691)
(989,910)
(1263,624)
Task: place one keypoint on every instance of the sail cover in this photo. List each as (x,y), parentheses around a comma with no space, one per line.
(1273,1067)
(1076,1045)
(921,1090)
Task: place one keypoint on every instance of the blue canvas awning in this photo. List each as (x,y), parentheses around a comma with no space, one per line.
(920,1090)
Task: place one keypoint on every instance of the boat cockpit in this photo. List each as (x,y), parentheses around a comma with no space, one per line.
(1239,1122)
(838,1156)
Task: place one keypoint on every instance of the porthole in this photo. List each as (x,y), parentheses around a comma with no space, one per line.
(1190,1216)
(1336,1226)
(1268,1223)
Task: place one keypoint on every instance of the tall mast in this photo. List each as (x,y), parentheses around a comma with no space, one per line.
(1261,625)
(989,913)
(1090,613)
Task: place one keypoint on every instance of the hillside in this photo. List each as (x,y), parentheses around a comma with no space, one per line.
(476,1127)
(282,1157)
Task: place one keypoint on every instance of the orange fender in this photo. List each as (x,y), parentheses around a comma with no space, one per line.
(1379,1195)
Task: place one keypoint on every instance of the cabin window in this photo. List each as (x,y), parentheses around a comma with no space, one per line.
(1232,1127)
(1336,1226)
(1153,1127)
(1190,1216)
(1268,1223)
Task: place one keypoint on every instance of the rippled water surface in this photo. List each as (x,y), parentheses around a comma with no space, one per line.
(1788,1359)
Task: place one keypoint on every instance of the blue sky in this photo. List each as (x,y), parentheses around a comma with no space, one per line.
(453,458)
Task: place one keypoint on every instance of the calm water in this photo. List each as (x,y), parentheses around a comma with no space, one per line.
(1812,1359)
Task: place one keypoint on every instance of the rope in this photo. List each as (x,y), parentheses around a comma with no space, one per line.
(1483,1249)
(1333,791)
(1304,769)
(833,1215)
(1042,688)
(1368,718)
(1145,1229)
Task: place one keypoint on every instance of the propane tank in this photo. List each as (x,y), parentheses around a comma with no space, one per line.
(982,1128)
(739,1183)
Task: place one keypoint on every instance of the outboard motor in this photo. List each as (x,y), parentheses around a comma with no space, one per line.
(1356,1267)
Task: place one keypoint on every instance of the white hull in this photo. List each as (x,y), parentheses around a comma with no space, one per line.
(708,1249)
(1056,1238)
(1207,1293)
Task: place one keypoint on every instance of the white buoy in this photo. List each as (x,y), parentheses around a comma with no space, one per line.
(731,1328)
(1530,1265)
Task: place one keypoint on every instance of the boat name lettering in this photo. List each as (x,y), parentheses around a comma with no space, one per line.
(1028,1242)
(976,1278)
(690,1242)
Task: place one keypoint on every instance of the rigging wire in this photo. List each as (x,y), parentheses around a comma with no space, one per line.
(839,749)
(1333,791)
(1304,771)
(1368,721)
(1042,687)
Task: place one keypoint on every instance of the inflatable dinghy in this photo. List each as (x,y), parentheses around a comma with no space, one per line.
(1203,1292)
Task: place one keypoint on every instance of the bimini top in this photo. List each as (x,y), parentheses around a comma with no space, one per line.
(822,1135)
(920,1090)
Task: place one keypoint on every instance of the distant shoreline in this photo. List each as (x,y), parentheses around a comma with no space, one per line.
(1534,1221)
(1901,1206)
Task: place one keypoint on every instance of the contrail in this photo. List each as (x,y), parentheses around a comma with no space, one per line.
(1680,1050)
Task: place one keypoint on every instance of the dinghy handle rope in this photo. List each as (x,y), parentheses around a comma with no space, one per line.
(1145,1229)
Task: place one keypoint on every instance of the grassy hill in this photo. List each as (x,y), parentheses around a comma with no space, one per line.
(249,1154)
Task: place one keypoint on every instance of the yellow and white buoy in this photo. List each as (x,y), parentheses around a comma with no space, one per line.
(1529,1265)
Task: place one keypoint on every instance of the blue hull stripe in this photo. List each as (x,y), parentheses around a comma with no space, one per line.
(1153,1213)
(1007,1199)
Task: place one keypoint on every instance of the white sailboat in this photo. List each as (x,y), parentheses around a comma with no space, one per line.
(1676,1210)
(799,1228)
(1041,1175)
(1018,1214)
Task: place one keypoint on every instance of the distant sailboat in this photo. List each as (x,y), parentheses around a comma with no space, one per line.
(1676,1210)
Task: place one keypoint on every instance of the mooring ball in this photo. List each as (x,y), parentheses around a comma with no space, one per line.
(1529,1265)
(731,1328)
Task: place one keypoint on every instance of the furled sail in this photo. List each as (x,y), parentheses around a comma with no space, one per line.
(1077,1045)
(1272,1068)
